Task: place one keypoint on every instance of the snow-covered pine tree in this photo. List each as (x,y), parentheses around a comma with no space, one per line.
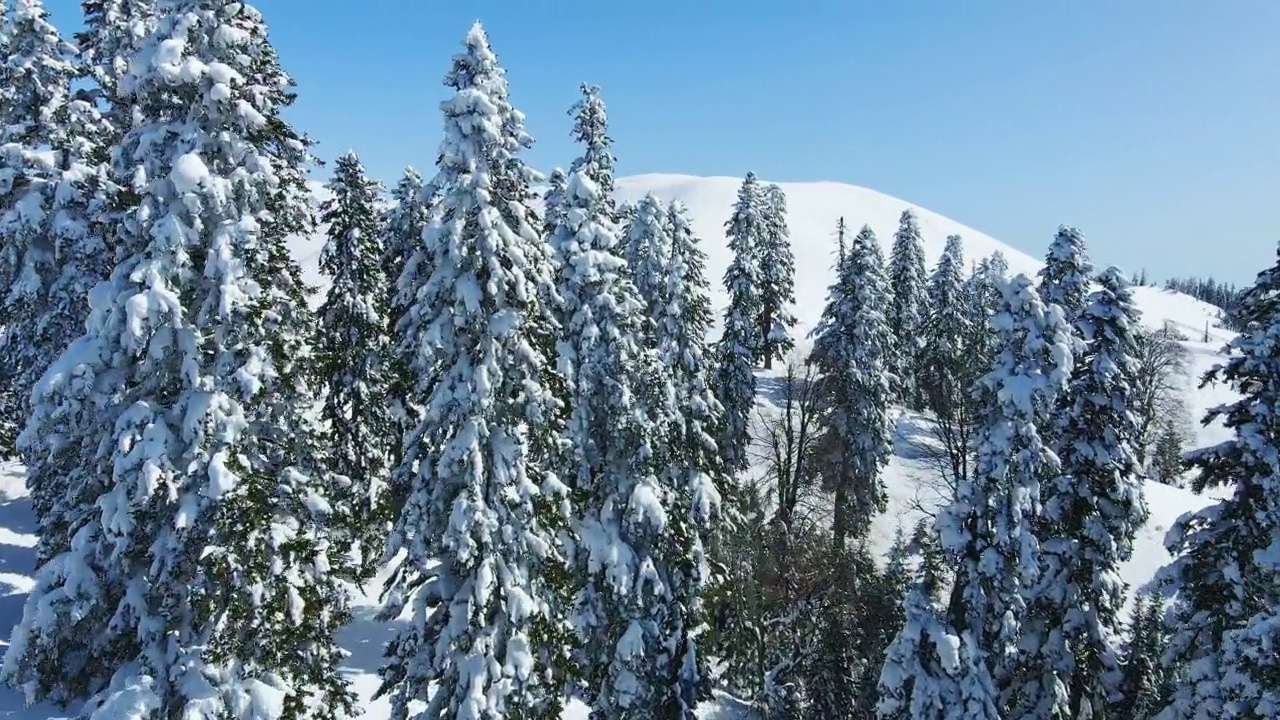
(1066,274)
(777,279)
(695,457)
(403,266)
(989,530)
(480,566)
(639,541)
(197,579)
(1093,508)
(649,264)
(53,249)
(906,311)
(1146,686)
(932,673)
(625,503)
(851,345)
(36,73)
(1226,617)
(354,359)
(591,129)
(740,343)
(553,201)
(114,31)
(947,374)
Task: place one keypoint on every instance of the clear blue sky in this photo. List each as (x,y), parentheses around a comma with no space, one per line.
(1150,124)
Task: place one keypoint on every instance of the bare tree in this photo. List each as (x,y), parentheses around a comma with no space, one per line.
(1160,373)
(786,442)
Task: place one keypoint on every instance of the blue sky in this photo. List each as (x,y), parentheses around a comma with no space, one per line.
(1150,124)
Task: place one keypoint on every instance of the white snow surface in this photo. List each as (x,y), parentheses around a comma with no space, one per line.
(813,209)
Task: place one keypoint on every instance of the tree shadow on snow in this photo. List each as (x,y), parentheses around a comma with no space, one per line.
(365,637)
(913,438)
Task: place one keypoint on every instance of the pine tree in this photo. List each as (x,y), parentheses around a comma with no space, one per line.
(851,344)
(1227,618)
(1145,685)
(36,74)
(931,673)
(777,279)
(480,564)
(640,549)
(553,201)
(53,249)
(740,342)
(1064,279)
(114,31)
(354,356)
(1093,508)
(649,264)
(695,457)
(906,308)
(591,129)
(989,530)
(197,506)
(403,268)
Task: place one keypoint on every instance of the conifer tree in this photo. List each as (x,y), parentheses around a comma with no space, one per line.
(989,530)
(354,356)
(553,201)
(403,268)
(114,31)
(198,502)
(480,566)
(1145,687)
(591,129)
(1093,508)
(777,279)
(1226,620)
(640,554)
(740,341)
(1065,277)
(649,264)
(906,307)
(851,345)
(36,75)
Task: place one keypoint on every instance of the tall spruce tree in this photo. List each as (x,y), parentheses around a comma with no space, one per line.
(1146,685)
(851,345)
(403,268)
(907,307)
(635,497)
(989,531)
(1093,508)
(36,74)
(740,342)
(1226,619)
(591,129)
(649,264)
(947,372)
(354,358)
(777,279)
(114,31)
(197,506)
(480,565)
(1066,274)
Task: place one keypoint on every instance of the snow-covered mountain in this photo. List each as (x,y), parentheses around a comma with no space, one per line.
(813,209)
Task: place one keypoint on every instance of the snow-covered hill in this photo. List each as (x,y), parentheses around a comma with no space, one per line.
(813,209)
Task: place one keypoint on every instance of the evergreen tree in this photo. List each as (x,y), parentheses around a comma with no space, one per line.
(1064,279)
(1227,618)
(906,311)
(403,269)
(1145,684)
(740,342)
(989,530)
(114,31)
(553,201)
(777,279)
(477,531)
(36,75)
(1093,508)
(591,129)
(635,500)
(650,262)
(197,579)
(851,345)
(354,356)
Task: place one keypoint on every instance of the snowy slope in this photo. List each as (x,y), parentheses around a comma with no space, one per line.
(813,211)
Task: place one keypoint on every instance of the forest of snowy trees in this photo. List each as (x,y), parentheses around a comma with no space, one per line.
(512,410)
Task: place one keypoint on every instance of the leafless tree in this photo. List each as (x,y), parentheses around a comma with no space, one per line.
(1159,380)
